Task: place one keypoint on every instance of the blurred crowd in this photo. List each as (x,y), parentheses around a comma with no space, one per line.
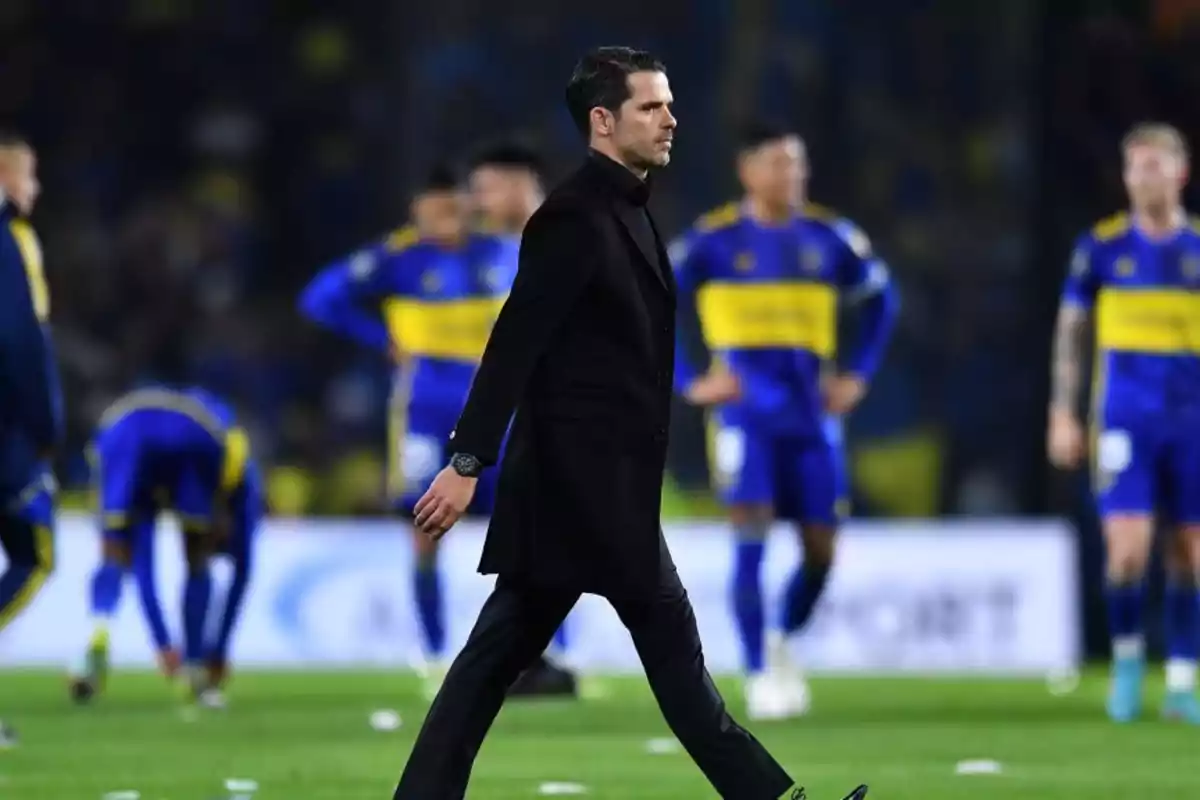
(202,160)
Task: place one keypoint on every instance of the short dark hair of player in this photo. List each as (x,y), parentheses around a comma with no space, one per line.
(444,177)
(508,154)
(755,134)
(601,79)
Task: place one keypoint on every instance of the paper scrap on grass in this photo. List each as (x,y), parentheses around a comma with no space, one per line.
(978,766)
(662,746)
(385,719)
(241,785)
(123,795)
(561,788)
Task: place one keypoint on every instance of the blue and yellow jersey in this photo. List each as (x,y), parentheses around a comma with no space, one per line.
(767,299)
(159,448)
(434,305)
(31,418)
(1145,296)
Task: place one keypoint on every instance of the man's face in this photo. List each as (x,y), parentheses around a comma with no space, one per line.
(506,197)
(18,177)
(644,127)
(1154,174)
(775,171)
(440,215)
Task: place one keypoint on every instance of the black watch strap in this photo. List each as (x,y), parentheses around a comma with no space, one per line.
(466,465)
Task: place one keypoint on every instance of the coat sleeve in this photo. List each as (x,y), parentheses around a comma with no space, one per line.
(558,257)
(28,351)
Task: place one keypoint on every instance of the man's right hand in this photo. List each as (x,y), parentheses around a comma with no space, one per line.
(1065,442)
(713,388)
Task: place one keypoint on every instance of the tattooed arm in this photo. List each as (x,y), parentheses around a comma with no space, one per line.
(1070,345)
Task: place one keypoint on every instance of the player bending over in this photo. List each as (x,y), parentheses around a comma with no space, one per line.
(767,276)
(1137,273)
(159,450)
(31,424)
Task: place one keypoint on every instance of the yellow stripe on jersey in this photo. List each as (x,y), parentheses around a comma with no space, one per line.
(451,329)
(1111,227)
(719,217)
(165,400)
(401,239)
(769,315)
(1148,320)
(31,255)
(237,455)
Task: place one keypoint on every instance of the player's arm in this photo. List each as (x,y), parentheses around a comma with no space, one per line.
(339,296)
(865,282)
(695,379)
(1065,441)
(28,349)
(557,261)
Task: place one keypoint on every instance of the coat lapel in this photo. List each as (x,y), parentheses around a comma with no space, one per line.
(647,249)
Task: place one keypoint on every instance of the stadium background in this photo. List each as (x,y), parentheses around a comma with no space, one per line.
(202,159)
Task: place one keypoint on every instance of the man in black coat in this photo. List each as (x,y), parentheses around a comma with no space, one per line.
(583,353)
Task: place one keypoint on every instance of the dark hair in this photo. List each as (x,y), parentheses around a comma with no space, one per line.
(755,134)
(444,177)
(12,139)
(601,78)
(509,153)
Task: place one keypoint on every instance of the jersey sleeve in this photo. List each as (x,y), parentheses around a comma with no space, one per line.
(344,297)
(1083,278)
(864,281)
(688,260)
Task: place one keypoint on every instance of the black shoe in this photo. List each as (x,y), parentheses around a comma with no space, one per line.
(545,679)
(8,737)
(857,794)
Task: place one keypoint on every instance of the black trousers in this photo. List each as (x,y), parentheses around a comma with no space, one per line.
(515,626)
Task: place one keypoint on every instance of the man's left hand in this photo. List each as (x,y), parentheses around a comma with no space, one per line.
(843,393)
(443,503)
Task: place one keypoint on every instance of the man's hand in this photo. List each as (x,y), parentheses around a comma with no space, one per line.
(842,393)
(713,388)
(445,501)
(1065,440)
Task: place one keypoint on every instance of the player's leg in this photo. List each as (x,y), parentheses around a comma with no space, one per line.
(421,454)
(664,631)
(1181,558)
(144,561)
(812,479)
(515,624)
(114,475)
(741,464)
(246,516)
(1125,473)
(27,538)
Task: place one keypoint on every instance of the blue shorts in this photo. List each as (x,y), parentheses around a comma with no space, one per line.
(1148,469)
(803,479)
(422,450)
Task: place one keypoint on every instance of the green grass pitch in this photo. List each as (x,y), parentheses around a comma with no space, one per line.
(305,736)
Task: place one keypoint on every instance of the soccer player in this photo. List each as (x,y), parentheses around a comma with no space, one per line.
(31,424)
(157,450)
(1137,273)
(427,294)
(765,277)
(506,182)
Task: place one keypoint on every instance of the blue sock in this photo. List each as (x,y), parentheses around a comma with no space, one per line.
(106,588)
(197,592)
(1126,605)
(143,570)
(427,588)
(1181,607)
(219,651)
(748,599)
(803,591)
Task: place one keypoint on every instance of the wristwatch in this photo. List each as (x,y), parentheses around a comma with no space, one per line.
(466,465)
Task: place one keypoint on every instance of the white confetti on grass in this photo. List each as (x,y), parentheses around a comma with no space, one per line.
(978,766)
(561,788)
(663,746)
